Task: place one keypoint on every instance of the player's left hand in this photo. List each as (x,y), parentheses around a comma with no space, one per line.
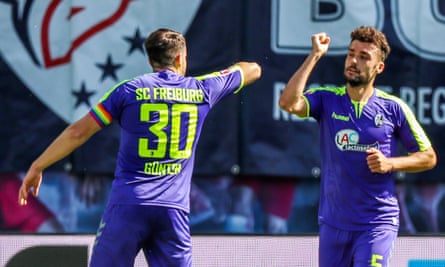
(377,162)
(31,183)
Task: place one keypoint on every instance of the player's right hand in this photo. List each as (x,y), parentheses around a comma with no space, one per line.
(320,43)
(31,183)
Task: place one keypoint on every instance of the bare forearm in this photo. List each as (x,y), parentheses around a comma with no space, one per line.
(293,91)
(291,99)
(71,138)
(61,147)
(416,162)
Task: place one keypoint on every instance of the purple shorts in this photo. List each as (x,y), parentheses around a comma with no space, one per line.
(162,233)
(355,248)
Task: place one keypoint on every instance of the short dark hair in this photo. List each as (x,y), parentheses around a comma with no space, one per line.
(163,45)
(372,35)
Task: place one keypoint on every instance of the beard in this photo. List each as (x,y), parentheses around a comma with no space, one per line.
(356,81)
(360,80)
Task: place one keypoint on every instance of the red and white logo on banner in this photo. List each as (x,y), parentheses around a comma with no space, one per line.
(69,53)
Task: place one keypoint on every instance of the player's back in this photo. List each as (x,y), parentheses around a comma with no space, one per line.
(161,116)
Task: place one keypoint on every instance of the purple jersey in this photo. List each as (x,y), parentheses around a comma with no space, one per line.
(353,198)
(161,116)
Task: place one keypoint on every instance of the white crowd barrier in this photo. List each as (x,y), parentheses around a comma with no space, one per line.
(212,251)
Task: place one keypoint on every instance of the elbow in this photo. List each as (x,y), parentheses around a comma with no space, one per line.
(292,106)
(76,134)
(252,71)
(82,130)
(431,159)
(283,104)
(258,71)
(255,72)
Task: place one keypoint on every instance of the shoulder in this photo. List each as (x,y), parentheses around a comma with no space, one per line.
(146,78)
(114,89)
(390,99)
(330,91)
(385,96)
(395,103)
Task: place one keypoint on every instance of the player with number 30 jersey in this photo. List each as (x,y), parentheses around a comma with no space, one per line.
(161,116)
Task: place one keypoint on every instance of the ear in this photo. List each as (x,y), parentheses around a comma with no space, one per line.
(380,67)
(178,61)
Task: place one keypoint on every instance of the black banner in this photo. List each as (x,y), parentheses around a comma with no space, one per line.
(54,66)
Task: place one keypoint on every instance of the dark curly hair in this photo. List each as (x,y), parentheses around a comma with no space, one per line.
(372,35)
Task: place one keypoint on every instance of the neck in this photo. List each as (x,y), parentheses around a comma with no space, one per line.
(165,68)
(360,93)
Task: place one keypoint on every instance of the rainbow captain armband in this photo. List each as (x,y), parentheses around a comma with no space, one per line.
(101,115)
